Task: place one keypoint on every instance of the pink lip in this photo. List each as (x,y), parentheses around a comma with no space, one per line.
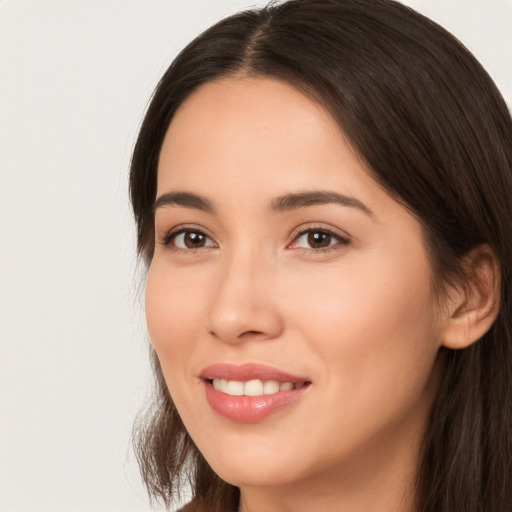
(247,372)
(249,409)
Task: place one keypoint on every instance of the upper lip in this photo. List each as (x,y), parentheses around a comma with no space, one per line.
(249,371)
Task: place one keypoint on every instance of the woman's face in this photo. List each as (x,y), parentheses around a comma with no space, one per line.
(283,271)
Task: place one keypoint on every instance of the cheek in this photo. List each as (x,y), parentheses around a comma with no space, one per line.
(363,307)
(172,315)
(375,331)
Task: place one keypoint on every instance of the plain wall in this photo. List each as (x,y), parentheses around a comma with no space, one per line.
(75,78)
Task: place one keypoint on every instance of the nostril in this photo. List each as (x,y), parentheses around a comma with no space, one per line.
(251,333)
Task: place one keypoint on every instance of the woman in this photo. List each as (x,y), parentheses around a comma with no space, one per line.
(322,194)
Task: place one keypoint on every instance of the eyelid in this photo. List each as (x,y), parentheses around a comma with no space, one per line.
(172,233)
(297,233)
(342,237)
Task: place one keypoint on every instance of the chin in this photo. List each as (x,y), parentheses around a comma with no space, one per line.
(253,465)
(254,475)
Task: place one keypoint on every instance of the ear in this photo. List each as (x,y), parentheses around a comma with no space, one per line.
(473,306)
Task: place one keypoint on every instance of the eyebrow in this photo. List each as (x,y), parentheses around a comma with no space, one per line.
(185,199)
(318,197)
(280,204)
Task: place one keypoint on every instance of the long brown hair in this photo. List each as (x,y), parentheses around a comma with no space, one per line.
(434,130)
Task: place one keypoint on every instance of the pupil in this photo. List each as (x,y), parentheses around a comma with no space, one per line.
(318,239)
(193,239)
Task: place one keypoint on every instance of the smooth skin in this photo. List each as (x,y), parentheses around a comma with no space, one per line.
(340,292)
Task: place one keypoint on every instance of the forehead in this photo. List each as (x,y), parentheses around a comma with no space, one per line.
(251,130)
(251,97)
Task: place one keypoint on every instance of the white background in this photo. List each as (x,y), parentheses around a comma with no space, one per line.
(75,77)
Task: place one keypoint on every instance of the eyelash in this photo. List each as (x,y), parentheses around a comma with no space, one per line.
(172,234)
(339,240)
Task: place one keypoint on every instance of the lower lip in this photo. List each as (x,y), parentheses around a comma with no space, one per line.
(250,409)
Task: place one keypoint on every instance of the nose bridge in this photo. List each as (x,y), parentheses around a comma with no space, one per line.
(242,306)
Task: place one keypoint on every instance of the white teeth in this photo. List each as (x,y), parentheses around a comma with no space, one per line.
(235,388)
(221,385)
(254,387)
(270,387)
(224,385)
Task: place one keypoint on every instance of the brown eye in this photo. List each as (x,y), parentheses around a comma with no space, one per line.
(193,239)
(319,239)
(188,239)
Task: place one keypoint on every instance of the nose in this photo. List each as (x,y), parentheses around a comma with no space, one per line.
(244,305)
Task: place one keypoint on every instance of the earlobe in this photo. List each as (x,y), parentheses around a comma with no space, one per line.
(474,305)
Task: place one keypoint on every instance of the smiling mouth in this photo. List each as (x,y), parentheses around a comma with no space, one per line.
(249,393)
(254,387)
(253,400)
